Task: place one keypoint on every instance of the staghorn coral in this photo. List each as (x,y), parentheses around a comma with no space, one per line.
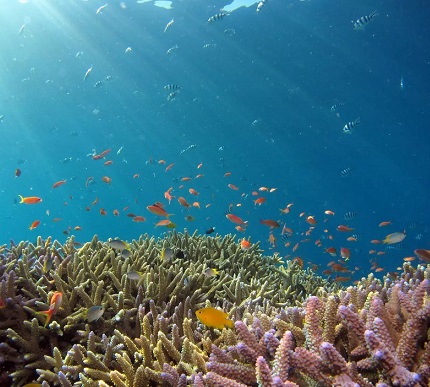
(147,323)
(375,333)
(149,336)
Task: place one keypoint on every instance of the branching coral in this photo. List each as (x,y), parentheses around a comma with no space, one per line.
(147,323)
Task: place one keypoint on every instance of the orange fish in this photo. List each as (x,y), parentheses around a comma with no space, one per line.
(163,222)
(227,174)
(169,167)
(331,251)
(328,212)
(56,220)
(58,183)
(383,224)
(270,223)
(215,318)
(30,200)
(199,176)
(136,176)
(259,201)
(54,306)
(34,225)
(244,244)
(102,212)
(186,178)
(96,200)
(138,219)
(285,210)
(104,153)
(106,179)
(311,220)
(109,162)
(182,201)
(78,228)
(344,228)
(115,212)
(233,187)
(345,253)
(158,210)
(196,204)
(423,255)
(235,219)
(168,196)
(375,241)
(263,189)
(192,191)
(200,165)
(272,240)
(296,246)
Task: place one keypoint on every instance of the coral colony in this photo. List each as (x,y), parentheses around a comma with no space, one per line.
(120,315)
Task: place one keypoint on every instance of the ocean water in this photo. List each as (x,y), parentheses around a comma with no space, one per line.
(255,102)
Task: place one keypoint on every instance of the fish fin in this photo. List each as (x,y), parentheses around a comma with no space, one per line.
(22,199)
(229,323)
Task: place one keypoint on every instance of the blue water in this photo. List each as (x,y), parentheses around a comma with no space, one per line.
(282,69)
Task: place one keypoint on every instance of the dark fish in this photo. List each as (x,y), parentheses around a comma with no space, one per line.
(345,172)
(180,254)
(172,87)
(350,126)
(397,246)
(216,17)
(350,215)
(210,231)
(336,106)
(364,21)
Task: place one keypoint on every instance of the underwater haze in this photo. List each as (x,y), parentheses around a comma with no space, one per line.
(239,110)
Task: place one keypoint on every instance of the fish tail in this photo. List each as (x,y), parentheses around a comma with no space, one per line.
(229,323)
(22,199)
(47,314)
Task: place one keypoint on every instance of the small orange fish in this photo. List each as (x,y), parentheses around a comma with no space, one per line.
(183,202)
(158,210)
(169,167)
(263,189)
(109,162)
(136,176)
(270,223)
(56,220)
(244,244)
(102,212)
(58,183)
(423,255)
(344,228)
(227,174)
(235,219)
(138,219)
(345,253)
(409,259)
(163,222)
(311,220)
(34,225)
(106,179)
(30,200)
(192,191)
(331,251)
(196,204)
(233,187)
(104,153)
(296,246)
(77,228)
(215,318)
(185,178)
(383,224)
(200,165)
(259,201)
(115,212)
(167,195)
(375,241)
(54,306)
(96,200)
(328,212)
(199,176)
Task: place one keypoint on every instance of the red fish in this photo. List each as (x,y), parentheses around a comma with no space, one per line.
(345,253)
(34,225)
(344,228)
(158,210)
(56,300)
(58,183)
(183,202)
(423,255)
(138,219)
(270,223)
(235,219)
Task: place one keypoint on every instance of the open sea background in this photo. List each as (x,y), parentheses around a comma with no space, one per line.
(255,103)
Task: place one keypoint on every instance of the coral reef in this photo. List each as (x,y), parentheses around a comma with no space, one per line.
(148,334)
(372,334)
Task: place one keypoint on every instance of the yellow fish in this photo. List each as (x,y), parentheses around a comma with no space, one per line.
(215,318)
(395,237)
